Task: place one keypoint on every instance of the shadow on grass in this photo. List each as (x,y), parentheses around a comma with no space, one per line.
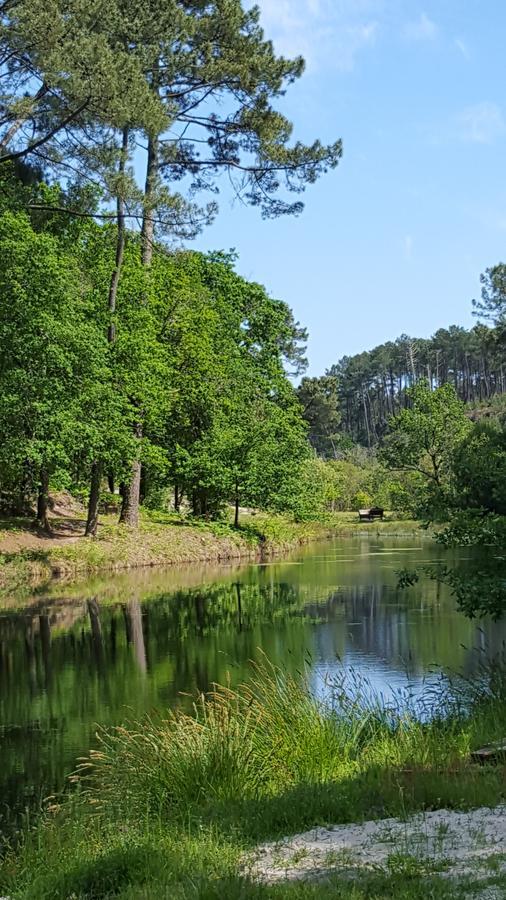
(198,858)
(17,524)
(27,555)
(61,527)
(147,872)
(378,793)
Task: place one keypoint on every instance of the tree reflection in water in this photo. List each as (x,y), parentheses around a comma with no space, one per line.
(69,664)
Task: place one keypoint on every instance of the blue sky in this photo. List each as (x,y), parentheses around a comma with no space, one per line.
(395,239)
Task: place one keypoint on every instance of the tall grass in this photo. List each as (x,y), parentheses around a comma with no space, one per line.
(178,798)
(273,736)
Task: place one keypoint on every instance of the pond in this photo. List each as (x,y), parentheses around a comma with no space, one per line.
(109,648)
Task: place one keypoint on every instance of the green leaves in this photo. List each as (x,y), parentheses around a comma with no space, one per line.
(492,305)
(232,422)
(423,438)
(320,404)
(51,350)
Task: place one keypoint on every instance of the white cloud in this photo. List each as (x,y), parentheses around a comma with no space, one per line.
(423,29)
(462,46)
(481,123)
(325,32)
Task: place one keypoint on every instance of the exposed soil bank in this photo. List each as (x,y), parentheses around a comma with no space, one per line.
(29,559)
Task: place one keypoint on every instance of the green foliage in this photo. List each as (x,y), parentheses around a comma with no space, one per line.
(53,359)
(479,469)
(480,590)
(195,84)
(231,423)
(196,81)
(373,385)
(472,500)
(199,352)
(340,485)
(424,437)
(492,305)
(320,400)
(362,500)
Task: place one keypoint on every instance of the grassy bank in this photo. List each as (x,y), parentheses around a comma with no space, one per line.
(28,558)
(173,807)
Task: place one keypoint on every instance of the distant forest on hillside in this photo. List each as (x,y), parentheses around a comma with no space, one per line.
(356,397)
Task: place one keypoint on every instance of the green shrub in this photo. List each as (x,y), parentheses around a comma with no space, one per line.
(362,500)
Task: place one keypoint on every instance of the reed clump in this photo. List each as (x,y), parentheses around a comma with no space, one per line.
(275,735)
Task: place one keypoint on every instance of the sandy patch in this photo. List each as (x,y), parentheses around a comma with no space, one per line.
(452,843)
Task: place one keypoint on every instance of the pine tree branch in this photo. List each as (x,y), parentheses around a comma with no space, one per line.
(19,154)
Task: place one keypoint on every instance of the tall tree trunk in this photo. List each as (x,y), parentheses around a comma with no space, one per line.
(43,500)
(148,224)
(131,500)
(110,482)
(96,469)
(131,497)
(236,516)
(144,487)
(177,498)
(120,240)
(94,499)
(366,420)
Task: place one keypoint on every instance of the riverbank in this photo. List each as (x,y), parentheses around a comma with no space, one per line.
(193,807)
(29,559)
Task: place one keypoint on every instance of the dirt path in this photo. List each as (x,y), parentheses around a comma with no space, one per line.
(67,518)
(450,843)
(63,531)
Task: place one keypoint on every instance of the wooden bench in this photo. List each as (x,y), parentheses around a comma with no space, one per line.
(368,515)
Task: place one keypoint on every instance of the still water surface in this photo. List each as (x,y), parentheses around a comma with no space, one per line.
(106,649)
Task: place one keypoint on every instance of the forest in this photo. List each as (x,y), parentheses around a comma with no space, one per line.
(189,384)
(198,350)
(129,364)
(367,389)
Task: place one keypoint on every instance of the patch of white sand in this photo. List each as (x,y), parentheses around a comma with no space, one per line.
(453,843)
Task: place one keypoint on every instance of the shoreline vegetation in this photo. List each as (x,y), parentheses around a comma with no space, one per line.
(31,560)
(180,805)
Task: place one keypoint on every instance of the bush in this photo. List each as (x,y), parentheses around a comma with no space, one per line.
(362,500)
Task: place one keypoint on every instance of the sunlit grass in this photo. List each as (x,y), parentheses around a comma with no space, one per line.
(168,806)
